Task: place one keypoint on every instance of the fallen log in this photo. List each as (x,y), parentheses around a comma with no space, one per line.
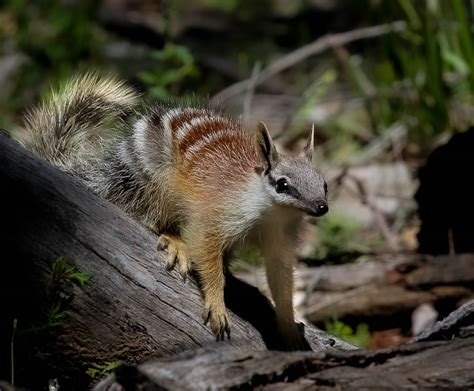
(387,286)
(131,310)
(436,361)
(383,291)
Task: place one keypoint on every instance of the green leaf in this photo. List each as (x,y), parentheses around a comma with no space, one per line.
(79,279)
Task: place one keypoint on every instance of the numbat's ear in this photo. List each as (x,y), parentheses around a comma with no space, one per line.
(266,148)
(309,148)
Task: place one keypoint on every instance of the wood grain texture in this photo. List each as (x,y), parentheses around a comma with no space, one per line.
(439,364)
(390,285)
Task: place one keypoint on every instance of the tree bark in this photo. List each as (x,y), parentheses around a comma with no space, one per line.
(132,309)
(435,362)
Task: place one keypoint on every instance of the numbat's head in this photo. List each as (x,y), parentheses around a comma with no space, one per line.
(292,181)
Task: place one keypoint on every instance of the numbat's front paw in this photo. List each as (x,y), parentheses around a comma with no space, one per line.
(296,343)
(292,340)
(218,321)
(176,254)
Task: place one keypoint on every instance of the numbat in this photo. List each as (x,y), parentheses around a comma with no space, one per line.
(192,175)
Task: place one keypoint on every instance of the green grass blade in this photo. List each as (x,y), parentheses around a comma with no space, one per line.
(466,36)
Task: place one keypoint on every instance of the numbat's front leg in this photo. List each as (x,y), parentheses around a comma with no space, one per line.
(207,258)
(177,255)
(211,273)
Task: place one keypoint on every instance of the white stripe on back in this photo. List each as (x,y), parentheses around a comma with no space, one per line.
(166,121)
(204,141)
(139,137)
(184,129)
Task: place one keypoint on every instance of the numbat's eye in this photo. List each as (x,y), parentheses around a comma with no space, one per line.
(282,186)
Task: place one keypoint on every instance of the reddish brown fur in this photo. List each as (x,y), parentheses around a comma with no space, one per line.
(229,156)
(184,117)
(223,163)
(197,132)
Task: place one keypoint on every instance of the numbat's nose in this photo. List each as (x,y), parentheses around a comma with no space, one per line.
(322,209)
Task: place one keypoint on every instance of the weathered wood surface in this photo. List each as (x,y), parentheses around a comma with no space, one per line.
(458,323)
(132,309)
(386,286)
(444,363)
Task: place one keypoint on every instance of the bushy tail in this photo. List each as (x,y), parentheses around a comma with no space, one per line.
(60,128)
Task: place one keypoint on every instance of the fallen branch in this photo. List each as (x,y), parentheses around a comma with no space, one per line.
(320,45)
(386,288)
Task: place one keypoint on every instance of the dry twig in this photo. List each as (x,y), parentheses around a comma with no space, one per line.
(250,92)
(320,45)
(379,219)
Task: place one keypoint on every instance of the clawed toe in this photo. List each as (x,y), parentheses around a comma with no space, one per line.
(162,243)
(176,254)
(172,259)
(219,323)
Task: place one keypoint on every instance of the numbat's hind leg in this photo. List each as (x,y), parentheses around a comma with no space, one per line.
(176,250)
